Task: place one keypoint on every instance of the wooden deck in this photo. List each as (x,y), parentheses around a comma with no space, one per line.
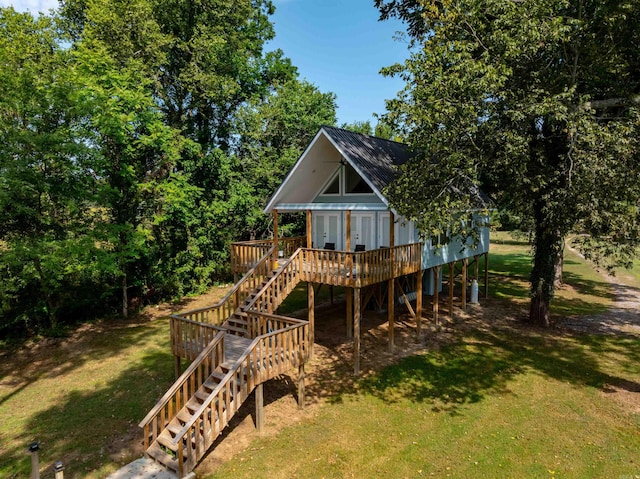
(234,348)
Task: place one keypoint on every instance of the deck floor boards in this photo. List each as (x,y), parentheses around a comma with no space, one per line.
(234,347)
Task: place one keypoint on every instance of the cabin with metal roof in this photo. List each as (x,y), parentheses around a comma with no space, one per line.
(353,240)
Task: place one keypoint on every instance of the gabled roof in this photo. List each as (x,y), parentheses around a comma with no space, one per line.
(373,158)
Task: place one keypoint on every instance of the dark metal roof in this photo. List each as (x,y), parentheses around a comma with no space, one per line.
(374,157)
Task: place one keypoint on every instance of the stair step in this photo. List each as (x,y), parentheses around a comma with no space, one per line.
(184,416)
(159,455)
(202,396)
(235,329)
(165,439)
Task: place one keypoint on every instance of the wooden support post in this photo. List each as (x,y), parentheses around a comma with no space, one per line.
(391,297)
(486,274)
(309,229)
(356,331)
(275,234)
(301,386)
(436,304)
(347,238)
(311,317)
(391,301)
(176,367)
(465,265)
(260,407)
(392,231)
(349,313)
(452,270)
(419,275)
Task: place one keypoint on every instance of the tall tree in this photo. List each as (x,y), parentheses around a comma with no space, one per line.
(44,255)
(273,131)
(132,155)
(536,100)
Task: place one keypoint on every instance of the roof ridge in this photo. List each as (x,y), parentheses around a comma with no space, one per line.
(364,134)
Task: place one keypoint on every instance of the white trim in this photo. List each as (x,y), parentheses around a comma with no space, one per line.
(292,207)
(338,173)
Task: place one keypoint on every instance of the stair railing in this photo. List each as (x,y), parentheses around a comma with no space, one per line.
(223,309)
(268,356)
(183,389)
(278,287)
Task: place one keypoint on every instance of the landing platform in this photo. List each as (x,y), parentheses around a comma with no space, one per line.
(143,469)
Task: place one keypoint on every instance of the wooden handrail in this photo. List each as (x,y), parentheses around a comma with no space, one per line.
(286,269)
(183,377)
(182,390)
(228,302)
(196,417)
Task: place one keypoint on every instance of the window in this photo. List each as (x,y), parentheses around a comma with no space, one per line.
(354,184)
(334,187)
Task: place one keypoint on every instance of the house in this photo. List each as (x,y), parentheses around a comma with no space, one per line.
(353,239)
(339,181)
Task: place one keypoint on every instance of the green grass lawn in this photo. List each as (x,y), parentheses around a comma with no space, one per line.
(584,292)
(77,397)
(497,401)
(496,404)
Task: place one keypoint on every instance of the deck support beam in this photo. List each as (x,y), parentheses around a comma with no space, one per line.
(465,265)
(486,274)
(419,275)
(301,376)
(452,267)
(309,229)
(391,297)
(349,292)
(356,331)
(275,236)
(259,407)
(391,300)
(176,367)
(436,303)
(311,316)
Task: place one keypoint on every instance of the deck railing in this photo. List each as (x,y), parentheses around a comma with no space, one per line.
(183,389)
(189,338)
(344,268)
(275,291)
(245,254)
(268,356)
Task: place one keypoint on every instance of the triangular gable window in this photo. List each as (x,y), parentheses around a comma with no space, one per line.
(334,187)
(354,184)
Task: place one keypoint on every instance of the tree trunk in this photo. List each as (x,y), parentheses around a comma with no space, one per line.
(558,281)
(539,311)
(547,246)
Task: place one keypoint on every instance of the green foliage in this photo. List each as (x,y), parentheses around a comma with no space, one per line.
(120,174)
(272,134)
(536,102)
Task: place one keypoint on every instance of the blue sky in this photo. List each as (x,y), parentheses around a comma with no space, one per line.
(338,45)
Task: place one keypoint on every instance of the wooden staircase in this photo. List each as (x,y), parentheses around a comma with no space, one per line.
(251,346)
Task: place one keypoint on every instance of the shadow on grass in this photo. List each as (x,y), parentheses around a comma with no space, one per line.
(487,359)
(85,426)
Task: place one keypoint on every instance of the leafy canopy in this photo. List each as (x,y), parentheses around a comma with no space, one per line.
(535,101)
